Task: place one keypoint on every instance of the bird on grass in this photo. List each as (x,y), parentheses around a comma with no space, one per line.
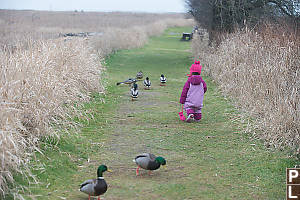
(147,83)
(149,162)
(134,91)
(95,187)
(163,80)
(128,81)
(139,75)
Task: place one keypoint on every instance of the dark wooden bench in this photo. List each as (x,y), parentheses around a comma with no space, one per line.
(187,36)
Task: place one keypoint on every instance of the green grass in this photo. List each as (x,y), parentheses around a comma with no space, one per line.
(212,159)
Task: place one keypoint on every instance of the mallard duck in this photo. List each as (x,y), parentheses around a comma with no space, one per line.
(163,80)
(148,161)
(134,91)
(128,81)
(95,187)
(139,75)
(147,83)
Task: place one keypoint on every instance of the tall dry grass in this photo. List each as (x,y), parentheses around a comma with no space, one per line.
(117,30)
(15,25)
(43,78)
(114,38)
(261,72)
(38,87)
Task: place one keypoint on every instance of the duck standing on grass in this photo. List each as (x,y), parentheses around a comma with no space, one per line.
(139,75)
(95,187)
(149,162)
(128,81)
(163,80)
(147,83)
(134,91)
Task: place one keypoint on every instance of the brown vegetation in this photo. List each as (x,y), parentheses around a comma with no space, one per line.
(124,38)
(19,25)
(43,75)
(39,86)
(260,71)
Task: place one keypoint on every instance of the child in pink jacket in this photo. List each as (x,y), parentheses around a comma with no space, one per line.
(193,93)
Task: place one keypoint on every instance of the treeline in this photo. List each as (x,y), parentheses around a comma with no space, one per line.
(224,16)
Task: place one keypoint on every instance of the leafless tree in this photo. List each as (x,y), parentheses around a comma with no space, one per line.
(226,15)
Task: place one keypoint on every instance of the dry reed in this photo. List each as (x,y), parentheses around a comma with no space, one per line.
(38,87)
(40,80)
(261,72)
(125,38)
(47,25)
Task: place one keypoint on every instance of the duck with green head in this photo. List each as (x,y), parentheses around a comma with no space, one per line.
(149,162)
(95,187)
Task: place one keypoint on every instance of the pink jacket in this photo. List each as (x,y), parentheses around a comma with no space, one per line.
(193,91)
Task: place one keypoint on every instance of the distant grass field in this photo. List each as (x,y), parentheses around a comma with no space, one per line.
(17,24)
(212,159)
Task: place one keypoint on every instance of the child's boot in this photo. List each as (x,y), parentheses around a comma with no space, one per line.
(190,118)
(197,117)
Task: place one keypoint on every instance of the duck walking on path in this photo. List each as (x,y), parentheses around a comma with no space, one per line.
(128,81)
(134,91)
(163,80)
(95,187)
(139,75)
(149,162)
(147,83)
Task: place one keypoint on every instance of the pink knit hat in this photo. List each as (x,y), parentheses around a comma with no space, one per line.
(196,67)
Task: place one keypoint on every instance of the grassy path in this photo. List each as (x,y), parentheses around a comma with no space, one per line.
(207,160)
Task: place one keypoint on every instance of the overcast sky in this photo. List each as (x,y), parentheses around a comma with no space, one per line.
(96,5)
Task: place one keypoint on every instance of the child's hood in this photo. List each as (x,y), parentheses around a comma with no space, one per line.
(195,79)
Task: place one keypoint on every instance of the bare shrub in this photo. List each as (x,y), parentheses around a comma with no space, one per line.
(262,73)
(38,87)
